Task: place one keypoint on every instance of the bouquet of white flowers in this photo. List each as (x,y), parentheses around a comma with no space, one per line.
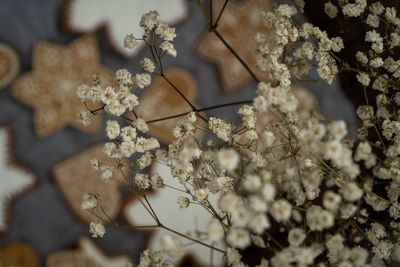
(292,188)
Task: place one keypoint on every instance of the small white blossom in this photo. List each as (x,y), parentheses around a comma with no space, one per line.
(259,223)
(330,9)
(166,32)
(142,80)
(157,181)
(238,237)
(240,216)
(215,231)
(331,200)
(86,117)
(252,183)
(351,192)
(97,229)
(281,210)
(130,41)
(296,236)
(89,201)
(268,138)
(112,129)
(233,256)
(228,202)
(168,48)
(201,195)
(142,181)
(147,65)
(319,219)
(228,159)
(373,20)
(268,192)
(141,125)
(148,20)
(171,245)
(363,78)
(183,203)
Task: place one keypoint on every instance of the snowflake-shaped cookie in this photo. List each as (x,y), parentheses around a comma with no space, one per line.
(14,178)
(88,255)
(164,203)
(120,17)
(50,88)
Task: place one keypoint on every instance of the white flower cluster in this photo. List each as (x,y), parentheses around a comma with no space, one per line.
(292,186)
(152,27)
(296,60)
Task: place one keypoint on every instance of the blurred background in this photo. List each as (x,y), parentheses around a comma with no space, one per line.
(48,48)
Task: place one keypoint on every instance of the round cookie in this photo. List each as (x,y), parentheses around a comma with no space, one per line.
(18,254)
(9,65)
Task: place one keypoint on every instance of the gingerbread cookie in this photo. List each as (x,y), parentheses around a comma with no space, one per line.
(15,179)
(164,203)
(119,18)
(87,255)
(161,100)
(9,65)
(237,26)
(75,177)
(18,254)
(50,88)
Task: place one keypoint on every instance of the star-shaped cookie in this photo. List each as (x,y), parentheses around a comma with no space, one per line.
(50,88)
(88,255)
(164,203)
(14,178)
(237,26)
(119,18)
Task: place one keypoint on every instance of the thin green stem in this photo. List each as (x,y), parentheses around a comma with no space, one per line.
(220,14)
(323,163)
(210,6)
(179,92)
(95,110)
(136,227)
(134,113)
(137,196)
(374,220)
(175,188)
(273,240)
(236,55)
(192,239)
(204,12)
(374,124)
(202,109)
(151,208)
(354,223)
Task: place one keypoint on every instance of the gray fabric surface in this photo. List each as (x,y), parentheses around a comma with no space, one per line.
(42,217)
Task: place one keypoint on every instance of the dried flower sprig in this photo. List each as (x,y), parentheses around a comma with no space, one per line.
(293,187)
